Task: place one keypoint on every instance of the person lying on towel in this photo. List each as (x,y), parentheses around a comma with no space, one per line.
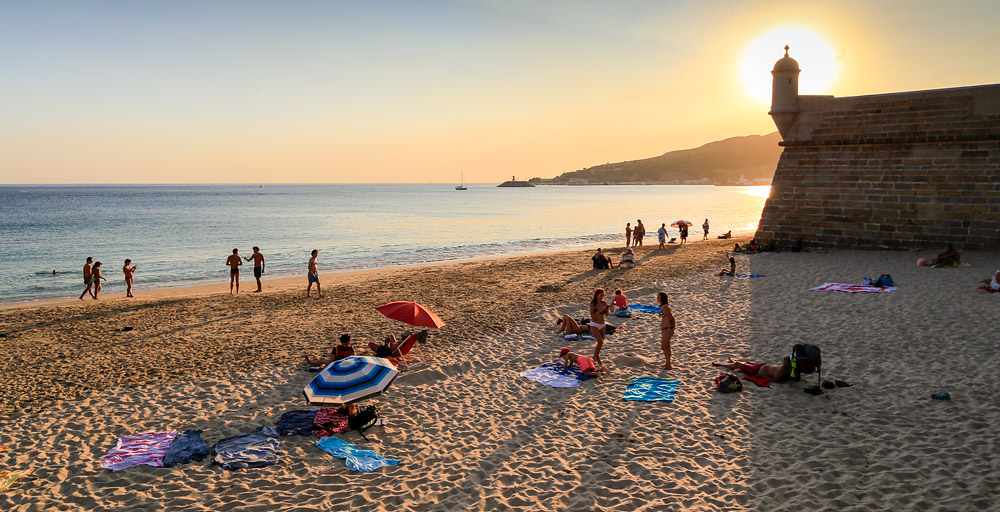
(585,363)
(775,372)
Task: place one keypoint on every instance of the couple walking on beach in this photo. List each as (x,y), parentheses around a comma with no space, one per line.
(599,309)
(235,261)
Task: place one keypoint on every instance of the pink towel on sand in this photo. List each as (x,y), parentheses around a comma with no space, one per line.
(853,288)
(329,422)
(147,448)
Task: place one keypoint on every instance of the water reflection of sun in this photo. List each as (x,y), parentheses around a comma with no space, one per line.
(758,191)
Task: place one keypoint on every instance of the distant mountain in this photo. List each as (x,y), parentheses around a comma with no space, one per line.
(720,162)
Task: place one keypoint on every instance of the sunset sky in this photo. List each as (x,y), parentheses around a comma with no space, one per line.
(419,91)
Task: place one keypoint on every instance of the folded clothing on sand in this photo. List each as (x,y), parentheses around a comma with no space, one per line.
(250,450)
(651,389)
(355,458)
(187,447)
(330,421)
(853,288)
(553,374)
(147,448)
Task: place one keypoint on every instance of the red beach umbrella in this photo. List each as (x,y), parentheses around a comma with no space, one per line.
(411,313)
(679,222)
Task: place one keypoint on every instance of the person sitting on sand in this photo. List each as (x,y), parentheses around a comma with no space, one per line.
(775,372)
(585,363)
(994,283)
(731,271)
(628,258)
(727,235)
(620,301)
(339,352)
(601,260)
(949,258)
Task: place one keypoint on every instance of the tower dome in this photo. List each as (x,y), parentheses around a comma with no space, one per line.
(784,93)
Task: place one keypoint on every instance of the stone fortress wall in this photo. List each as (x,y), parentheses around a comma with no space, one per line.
(889,171)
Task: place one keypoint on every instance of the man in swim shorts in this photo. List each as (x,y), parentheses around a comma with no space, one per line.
(313,274)
(234,261)
(775,372)
(585,363)
(258,265)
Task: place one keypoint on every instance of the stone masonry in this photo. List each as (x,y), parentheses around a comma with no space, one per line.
(904,170)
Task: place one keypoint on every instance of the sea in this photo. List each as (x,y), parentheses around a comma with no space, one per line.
(181,235)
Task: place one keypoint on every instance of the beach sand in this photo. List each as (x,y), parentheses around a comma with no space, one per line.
(474,435)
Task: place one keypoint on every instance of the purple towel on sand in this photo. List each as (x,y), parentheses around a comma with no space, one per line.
(553,374)
(187,447)
(297,423)
(250,450)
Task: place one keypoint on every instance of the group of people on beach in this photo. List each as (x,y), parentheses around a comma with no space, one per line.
(92,277)
(598,326)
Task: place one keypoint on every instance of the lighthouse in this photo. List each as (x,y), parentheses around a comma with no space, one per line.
(784,93)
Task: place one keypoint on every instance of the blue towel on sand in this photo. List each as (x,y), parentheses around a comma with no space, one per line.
(296,423)
(553,374)
(250,450)
(645,309)
(651,389)
(355,458)
(186,447)
(749,275)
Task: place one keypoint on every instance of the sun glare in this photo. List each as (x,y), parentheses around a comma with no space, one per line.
(816,57)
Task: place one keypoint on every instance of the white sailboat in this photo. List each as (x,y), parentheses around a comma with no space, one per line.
(462,186)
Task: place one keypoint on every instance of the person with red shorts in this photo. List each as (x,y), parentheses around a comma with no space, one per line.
(775,372)
(585,363)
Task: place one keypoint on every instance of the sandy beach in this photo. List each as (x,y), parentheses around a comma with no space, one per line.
(474,435)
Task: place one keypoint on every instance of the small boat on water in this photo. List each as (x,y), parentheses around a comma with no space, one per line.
(462,186)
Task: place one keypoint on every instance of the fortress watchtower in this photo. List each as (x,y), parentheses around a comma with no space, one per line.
(785,93)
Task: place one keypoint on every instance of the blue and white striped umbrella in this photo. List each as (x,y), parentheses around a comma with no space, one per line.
(350,379)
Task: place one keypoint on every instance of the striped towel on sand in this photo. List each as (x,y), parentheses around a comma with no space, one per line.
(853,288)
(147,448)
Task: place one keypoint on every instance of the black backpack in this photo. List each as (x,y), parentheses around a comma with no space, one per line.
(364,419)
(806,359)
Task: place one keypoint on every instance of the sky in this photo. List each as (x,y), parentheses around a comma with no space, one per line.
(427,91)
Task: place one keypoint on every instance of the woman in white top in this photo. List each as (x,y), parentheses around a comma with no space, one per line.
(994,283)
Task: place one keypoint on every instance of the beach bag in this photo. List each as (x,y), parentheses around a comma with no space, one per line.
(625,313)
(866,281)
(364,419)
(884,280)
(805,359)
(610,329)
(728,383)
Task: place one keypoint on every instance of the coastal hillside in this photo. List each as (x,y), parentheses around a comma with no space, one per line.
(721,162)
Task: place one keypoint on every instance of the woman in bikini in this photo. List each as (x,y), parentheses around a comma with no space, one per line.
(598,309)
(667,324)
(567,325)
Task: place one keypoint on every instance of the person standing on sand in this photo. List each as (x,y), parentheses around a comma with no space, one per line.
(628,234)
(705,227)
(258,265)
(96,277)
(684,232)
(88,276)
(662,235)
(313,275)
(598,327)
(667,325)
(234,261)
(129,271)
(638,234)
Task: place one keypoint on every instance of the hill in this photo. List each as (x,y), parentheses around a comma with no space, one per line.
(719,162)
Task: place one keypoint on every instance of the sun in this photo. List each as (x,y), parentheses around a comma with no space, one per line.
(816,57)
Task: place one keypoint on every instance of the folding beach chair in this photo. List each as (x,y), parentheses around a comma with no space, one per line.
(399,357)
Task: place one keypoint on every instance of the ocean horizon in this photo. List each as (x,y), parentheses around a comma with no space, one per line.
(180,235)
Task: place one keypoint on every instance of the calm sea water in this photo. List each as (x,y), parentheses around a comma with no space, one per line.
(182,235)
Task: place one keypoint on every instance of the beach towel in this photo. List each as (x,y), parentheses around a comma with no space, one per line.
(7,478)
(747,275)
(355,458)
(330,421)
(296,423)
(853,288)
(187,447)
(760,381)
(651,389)
(645,309)
(987,288)
(553,374)
(249,450)
(147,448)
